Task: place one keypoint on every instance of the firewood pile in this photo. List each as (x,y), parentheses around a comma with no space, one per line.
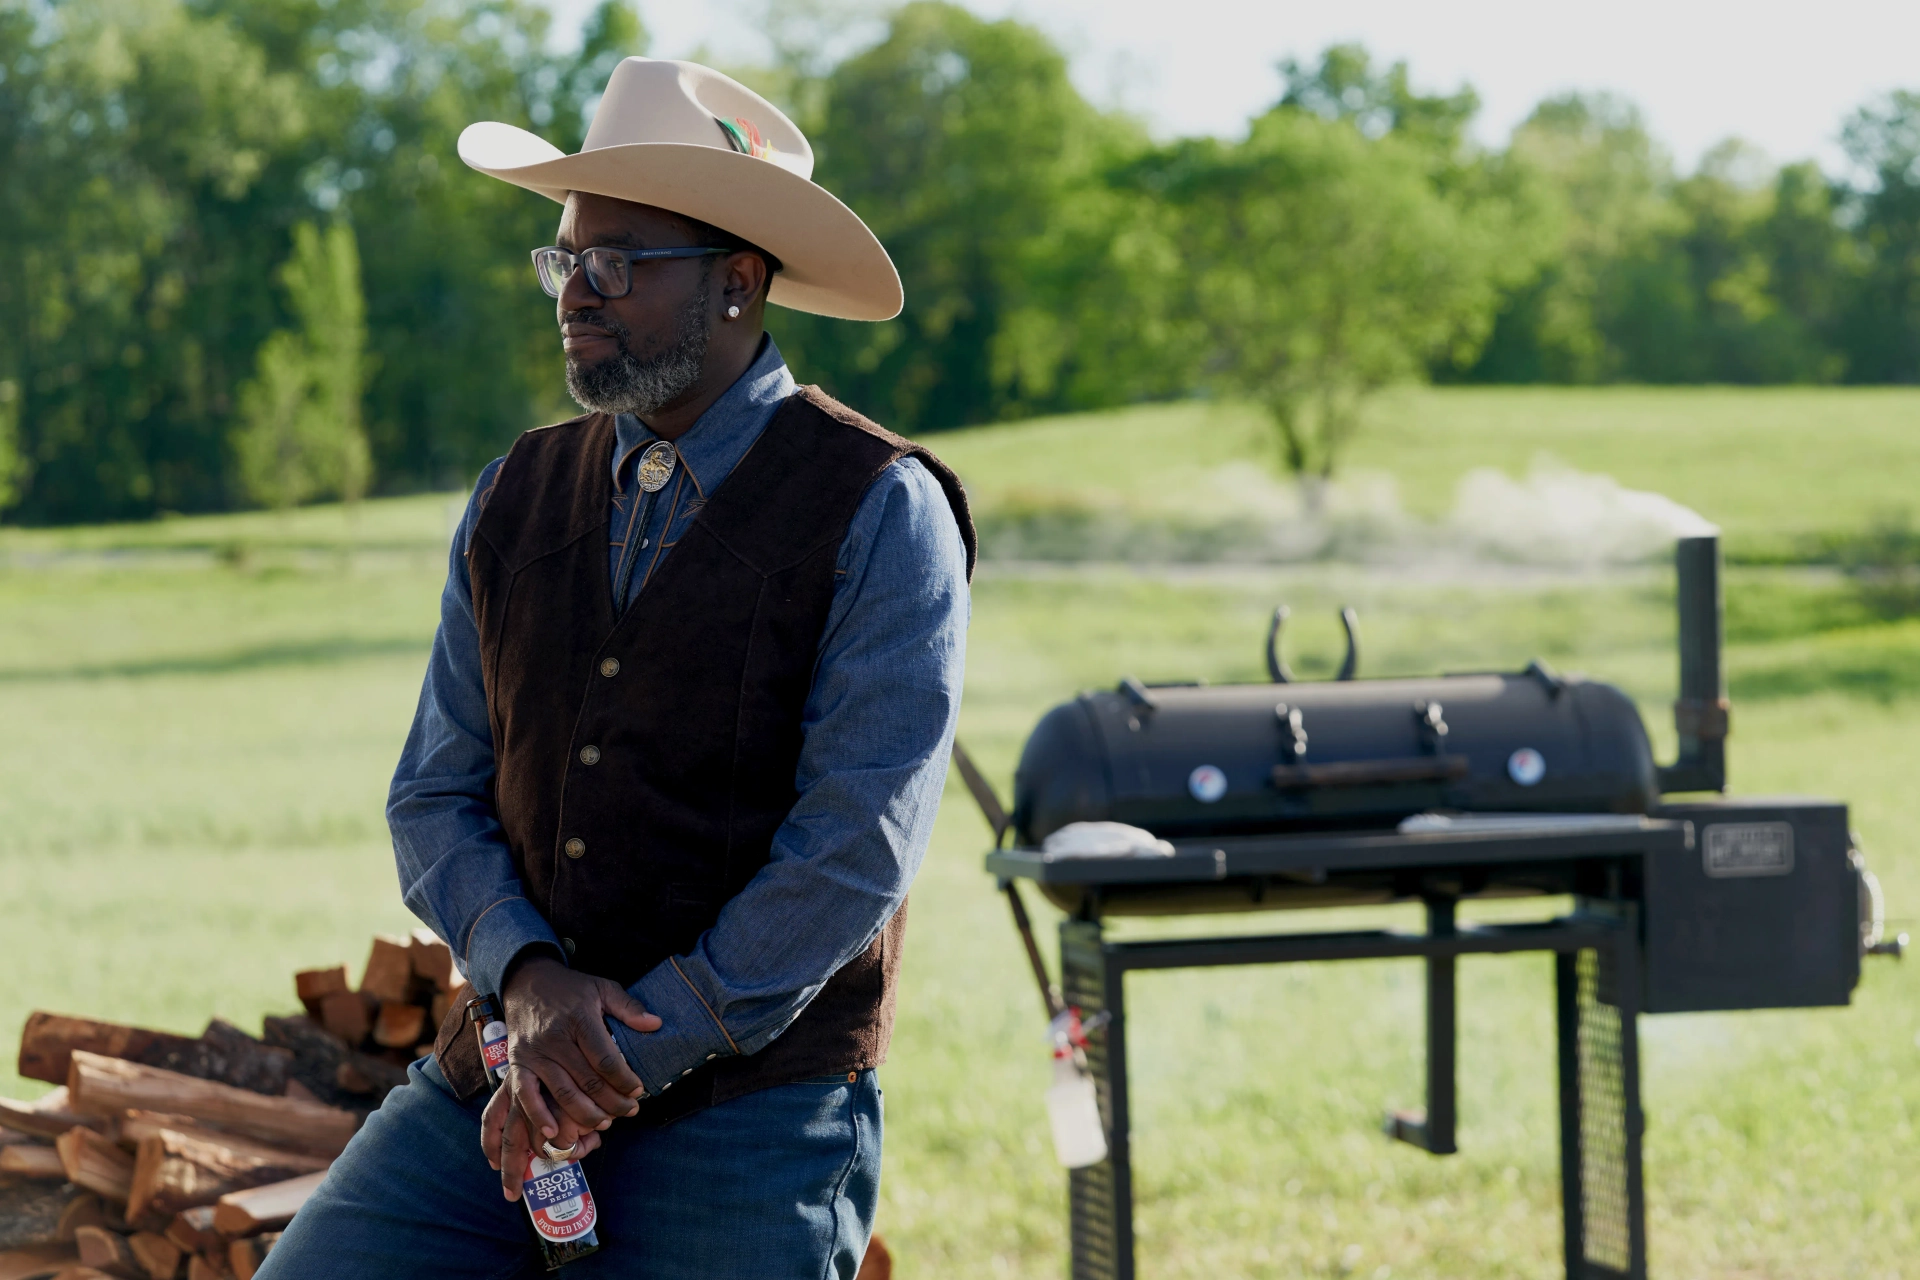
(161,1156)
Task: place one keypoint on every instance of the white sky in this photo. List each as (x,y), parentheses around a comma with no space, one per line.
(1782,75)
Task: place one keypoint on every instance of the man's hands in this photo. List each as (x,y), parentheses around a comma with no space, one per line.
(559,1049)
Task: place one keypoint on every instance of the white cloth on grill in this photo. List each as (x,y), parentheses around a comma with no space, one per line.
(1104,840)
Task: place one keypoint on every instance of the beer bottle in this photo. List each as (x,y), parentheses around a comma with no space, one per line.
(559,1203)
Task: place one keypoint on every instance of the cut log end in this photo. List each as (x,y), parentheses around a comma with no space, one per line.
(399,1026)
(314,985)
(242,1213)
(30,1160)
(389,972)
(159,1257)
(95,1163)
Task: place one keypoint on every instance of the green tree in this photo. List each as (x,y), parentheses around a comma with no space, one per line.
(301,436)
(149,167)
(1605,187)
(1748,231)
(1883,329)
(1344,86)
(1328,264)
(968,151)
(469,356)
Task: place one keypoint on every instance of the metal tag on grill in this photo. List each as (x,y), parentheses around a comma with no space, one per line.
(656,466)
(1748,849)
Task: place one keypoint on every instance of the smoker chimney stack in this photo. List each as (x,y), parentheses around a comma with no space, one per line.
(1700,713)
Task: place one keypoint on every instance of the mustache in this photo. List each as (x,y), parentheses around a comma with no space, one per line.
(599,320)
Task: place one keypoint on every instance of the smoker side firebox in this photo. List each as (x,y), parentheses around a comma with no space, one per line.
(1368,791)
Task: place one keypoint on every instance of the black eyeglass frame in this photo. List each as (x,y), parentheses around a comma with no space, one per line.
(629,256)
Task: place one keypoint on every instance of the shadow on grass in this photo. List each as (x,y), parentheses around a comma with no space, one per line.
(1881,664)
(305,653)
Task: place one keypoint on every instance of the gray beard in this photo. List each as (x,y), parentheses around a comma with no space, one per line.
(628,384)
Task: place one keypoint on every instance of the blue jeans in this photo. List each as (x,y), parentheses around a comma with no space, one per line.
(777,1185)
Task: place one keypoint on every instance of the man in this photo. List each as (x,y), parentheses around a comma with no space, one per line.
(683,732)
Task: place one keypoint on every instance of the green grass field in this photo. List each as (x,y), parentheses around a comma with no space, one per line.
(200,716)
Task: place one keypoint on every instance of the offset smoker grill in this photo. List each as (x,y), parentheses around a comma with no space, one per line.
(1295,795)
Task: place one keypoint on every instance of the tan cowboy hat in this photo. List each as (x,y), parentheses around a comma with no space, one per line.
(683,137)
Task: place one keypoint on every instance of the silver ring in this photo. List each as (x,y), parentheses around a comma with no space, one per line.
(552,1152)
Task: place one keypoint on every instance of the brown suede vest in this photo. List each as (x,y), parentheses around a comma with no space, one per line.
(693,699)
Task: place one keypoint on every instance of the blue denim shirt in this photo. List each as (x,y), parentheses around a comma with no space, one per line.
(878,725)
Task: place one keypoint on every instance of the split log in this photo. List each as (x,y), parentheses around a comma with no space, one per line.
(36,1260)
(317,1056)
(93,1162)
(223,1052)
(203,1266)
(315,985)
(108,1251)
(158,1256)
(42,1122)
(345,1013)
(48,1042)
(399,1026)
(106,1086)
(78,1272)
(30,1212)
(297,1090)
(138,1126)
(192,1229)
(226,1053)
(245,1256)
(264,1208)
(389,972)
(32,1161)
(432,960)
(175,1172)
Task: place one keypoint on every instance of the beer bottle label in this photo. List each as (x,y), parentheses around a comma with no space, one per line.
(558,1200)
(493,1049)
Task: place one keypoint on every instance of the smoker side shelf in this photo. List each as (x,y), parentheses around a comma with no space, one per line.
(1198,861)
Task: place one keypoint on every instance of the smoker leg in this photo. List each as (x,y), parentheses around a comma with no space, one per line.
(1433,1129)
(1100,1197)
(1602,1195)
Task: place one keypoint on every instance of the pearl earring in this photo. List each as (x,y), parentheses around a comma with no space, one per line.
(733,313)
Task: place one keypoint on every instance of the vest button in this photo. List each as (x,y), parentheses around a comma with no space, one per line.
(576,848)
(609,667)
(568,944)
(589,754)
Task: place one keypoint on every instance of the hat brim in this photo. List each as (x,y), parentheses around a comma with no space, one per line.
(831,264)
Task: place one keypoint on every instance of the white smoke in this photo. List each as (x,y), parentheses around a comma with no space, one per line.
(1559,516)
(1553,517)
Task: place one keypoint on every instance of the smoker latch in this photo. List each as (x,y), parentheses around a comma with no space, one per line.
(1293,732)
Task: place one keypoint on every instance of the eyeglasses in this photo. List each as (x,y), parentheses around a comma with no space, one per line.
(609,270)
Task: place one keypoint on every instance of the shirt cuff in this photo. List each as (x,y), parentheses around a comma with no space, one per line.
(502,932)
(690,1034)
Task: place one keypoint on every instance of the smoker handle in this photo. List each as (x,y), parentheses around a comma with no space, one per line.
(982,791)
(1365,773)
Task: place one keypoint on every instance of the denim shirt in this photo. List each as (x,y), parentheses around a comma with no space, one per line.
(878,725)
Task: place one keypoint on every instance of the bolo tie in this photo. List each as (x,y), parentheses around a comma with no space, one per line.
(655,469)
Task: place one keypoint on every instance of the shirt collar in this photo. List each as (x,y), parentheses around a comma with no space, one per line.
(721,436)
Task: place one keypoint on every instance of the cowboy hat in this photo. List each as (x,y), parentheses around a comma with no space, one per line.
(685,138)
